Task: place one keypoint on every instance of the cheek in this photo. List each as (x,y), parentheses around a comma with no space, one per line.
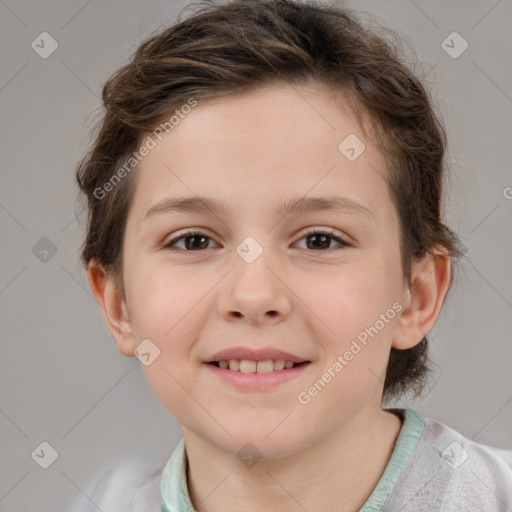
(163,299)
(349,299)
(355,306)
(170,313)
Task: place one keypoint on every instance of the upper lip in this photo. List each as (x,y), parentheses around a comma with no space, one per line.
(250,354)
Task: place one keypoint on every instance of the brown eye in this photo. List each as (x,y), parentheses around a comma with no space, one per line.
(193,241)
(319,240)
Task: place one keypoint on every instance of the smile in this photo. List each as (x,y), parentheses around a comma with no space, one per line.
(248,375)
(248,366)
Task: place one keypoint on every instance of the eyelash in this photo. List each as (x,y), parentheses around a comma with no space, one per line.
(171,244)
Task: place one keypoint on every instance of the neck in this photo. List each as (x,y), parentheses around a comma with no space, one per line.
(338,472)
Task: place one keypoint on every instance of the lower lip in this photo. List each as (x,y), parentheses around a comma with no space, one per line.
(257,381)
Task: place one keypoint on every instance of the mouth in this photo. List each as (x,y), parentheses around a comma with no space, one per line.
(247,375)
(249,366)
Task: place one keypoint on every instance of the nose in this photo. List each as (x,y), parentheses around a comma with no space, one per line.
(255,293)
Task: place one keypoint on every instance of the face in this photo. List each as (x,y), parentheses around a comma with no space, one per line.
(309,282)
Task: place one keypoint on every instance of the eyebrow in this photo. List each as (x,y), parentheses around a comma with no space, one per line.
(294,205)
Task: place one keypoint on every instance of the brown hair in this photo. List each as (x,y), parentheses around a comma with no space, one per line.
(245,44)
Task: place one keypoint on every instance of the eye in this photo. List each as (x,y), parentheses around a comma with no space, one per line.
(317,239)
(193,240)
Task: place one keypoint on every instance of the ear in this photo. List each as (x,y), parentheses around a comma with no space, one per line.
(422,301)
(113,306)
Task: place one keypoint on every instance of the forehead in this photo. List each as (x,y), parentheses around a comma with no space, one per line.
(262,144)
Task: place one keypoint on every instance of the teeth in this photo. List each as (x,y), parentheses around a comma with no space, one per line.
(279,364)
(247,366)
(265,366)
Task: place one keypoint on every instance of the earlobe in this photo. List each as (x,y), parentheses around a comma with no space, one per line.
(113,306)
(430,280)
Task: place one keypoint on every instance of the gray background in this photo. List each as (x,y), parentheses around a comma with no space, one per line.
(62,379)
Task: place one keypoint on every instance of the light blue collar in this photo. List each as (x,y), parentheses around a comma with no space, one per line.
(410,434)
(173,486)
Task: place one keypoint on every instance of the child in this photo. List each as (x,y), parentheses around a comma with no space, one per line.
(265,235)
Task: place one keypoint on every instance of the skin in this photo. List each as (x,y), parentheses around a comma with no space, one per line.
(252,151)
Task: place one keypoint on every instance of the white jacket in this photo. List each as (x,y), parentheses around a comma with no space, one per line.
(432,468)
